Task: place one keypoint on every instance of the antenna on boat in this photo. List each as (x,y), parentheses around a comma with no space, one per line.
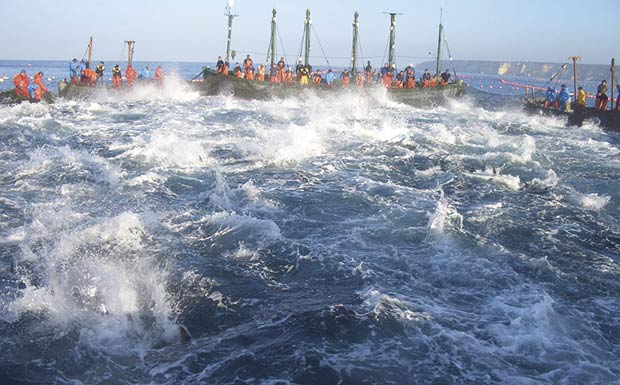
(130,44)
(392,37)
(307,24)
(575,59)
(440,39)
(231,16)
(272,42)
(356,25)
(90,50)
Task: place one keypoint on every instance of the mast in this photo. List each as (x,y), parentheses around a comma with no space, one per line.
(231,16)
(90,50)
(272,43)
(439,42)
(130,44)
(575,59)
(307,23)
(392,39)
(613,81)
(354,54)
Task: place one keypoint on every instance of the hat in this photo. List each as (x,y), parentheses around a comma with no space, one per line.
(563,85)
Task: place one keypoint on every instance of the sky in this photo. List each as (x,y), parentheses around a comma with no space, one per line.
(195,30)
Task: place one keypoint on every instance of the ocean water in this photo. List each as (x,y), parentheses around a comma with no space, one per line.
(332,240)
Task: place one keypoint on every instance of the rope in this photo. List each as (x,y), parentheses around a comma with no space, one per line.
(301,46)
(557,74)
(386,50)
(320,45)
(450,55)
(281,44)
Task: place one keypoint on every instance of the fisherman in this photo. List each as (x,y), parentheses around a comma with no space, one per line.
(273,74)
(260,75)
(359,80)
(445,78)
(237,71)
(384,70)
(88,77)
(563,99)
(159,75)
(618,99)
(117,77)
(249,73)
(33,92)
(281,70)
(581,100)
(550,98)
(130,75)
(298,68)
(145,74)
(74,71)
(387,76)
(400,79)
(41,88)
(21,82)
(288,77)
(317,79)
(247,64)
(329,77)
(304,75)
(345,78)
(601,96)
(368,72)
(99,70)
(426,78)
(219,67)
(410,77)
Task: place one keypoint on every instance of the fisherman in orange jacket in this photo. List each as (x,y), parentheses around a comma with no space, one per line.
(38,80)
(89,77)
(131,75)
(260,75)
(117,77)
(159,75)
(21,82)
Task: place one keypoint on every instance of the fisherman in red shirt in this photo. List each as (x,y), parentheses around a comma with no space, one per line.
(131,75)
(159,75)
(21,82)
(38,80)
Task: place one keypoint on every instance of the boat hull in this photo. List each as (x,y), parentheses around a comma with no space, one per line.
(217,84)
(11,97)
(607,119)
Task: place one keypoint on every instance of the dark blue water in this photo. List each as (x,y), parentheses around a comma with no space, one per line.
(332,240)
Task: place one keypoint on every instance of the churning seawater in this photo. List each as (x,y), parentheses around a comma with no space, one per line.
(332,240)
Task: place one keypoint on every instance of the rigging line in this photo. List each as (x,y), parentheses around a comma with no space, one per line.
(385,52)
(301,45)
(450,55)
(320,45)
(281,44)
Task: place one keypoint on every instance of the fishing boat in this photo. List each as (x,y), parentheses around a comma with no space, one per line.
(11,97)
(608,119)
(215,83)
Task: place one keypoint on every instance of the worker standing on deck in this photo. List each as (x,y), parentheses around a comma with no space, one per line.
(260,75)
(238,72)
(345,77)
(131,75)
(117,77)
(563,98)
(145,74)
(21,82)
(329,77)
(601,96)
(368,73)
(41,88)
(219,66)
(445,78)
(581,100)
(550,98)
(159,75)
(99,71)
(304,75)
(247,64)
(74,71)
(281,70)
(426,78)
(410,77)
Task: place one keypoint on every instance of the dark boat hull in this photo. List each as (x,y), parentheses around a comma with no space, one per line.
(216,84)
(606,119)
(11,97)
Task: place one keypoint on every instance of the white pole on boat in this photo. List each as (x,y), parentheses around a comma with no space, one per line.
(229,13)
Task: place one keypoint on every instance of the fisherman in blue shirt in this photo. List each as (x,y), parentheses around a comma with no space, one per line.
(563,98)
(31,90)
(74,70)
(329,77)
(145,74)
(550,100)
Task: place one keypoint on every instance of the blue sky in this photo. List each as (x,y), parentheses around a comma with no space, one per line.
(195,30)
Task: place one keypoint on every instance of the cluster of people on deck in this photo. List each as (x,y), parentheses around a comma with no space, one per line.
(280,72)
(30,90)
(81,74)
(561,100)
